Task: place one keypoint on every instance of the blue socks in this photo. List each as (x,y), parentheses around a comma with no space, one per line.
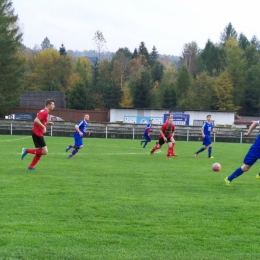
(203,149)
(210,150)
(75,151)
(146,142)
(235,174)
(200,150)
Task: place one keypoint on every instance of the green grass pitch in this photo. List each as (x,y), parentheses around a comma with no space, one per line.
(114,200)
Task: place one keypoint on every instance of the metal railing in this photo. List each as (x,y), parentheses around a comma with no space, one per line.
(128,131)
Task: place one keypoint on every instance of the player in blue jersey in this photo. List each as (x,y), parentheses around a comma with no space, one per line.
(81,128)
(251,157)
(206,129)
(147,132)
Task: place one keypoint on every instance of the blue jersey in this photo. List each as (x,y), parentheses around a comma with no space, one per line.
(147,129)
(83,125)
(207,128)
(253,153)
(257,141)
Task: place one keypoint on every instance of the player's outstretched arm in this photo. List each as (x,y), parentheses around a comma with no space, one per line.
(251,128)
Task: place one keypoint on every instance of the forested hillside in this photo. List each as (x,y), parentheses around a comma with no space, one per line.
(220,76)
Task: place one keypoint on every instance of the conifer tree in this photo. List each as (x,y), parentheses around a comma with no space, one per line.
(46,44)
(142,90)
(11,63)
(62,50)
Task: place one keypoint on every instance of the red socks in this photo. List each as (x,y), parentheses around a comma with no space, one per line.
(37,156)
(35,159)
(155,147)
(37,151)
(171,150)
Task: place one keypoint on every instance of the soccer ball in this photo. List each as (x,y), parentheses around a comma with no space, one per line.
(216,167)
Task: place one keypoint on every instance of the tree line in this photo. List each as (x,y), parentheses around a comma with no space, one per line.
(221,76)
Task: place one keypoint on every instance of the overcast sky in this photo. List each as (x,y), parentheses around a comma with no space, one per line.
(165,24)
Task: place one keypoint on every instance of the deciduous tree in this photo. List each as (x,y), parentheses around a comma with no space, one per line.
(105,68)
(137,65)
(45,70)
(126,99)
(100,43)
(83,67)
(236,66)
(200,95)
(189,55)
(224,91)
(120,67)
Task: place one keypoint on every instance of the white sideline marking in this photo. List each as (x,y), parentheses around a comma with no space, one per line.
(10,140)
(99,153)
(143,153)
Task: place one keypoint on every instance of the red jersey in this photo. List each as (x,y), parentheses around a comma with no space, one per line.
(43,117)
(167,130)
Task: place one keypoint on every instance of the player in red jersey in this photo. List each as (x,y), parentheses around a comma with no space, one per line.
(170,116)
(38,130)
(166,136)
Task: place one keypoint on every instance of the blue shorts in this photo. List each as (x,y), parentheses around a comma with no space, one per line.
(147,137)
(252,155)
(78,140)
(206,141)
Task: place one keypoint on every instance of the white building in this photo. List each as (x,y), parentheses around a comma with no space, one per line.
(187,117)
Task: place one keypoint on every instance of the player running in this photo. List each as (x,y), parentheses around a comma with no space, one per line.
(39,129)
(81,128)
(166,136)
(206,129)
(251,157)
(147,132)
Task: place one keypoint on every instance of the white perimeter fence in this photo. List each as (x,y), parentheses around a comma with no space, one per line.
(128,131)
